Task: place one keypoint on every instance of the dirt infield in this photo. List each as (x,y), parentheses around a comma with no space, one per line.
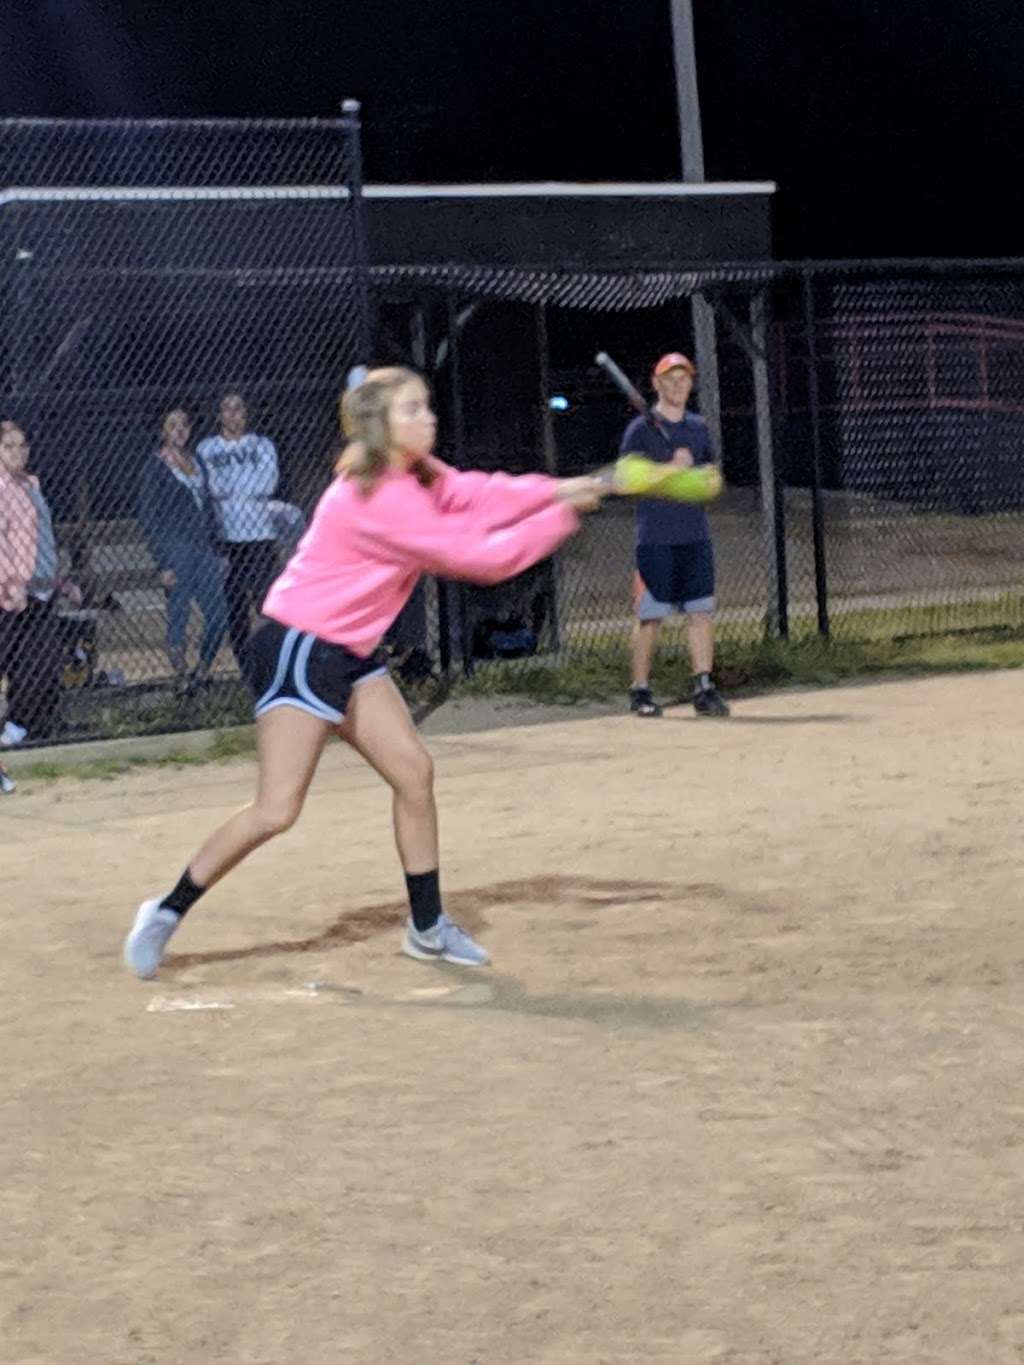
(742,1087)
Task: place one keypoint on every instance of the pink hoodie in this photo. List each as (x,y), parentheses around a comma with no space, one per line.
(18,540)
(355,567)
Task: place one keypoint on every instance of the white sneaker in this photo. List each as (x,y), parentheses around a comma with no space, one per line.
(6,782)
(145,944)
(12,735)
(445,942)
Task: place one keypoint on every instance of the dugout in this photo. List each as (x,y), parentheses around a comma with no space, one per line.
(503,294)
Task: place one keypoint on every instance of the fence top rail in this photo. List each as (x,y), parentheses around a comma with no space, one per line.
(553,190)
(247,125)
(744,270)
(164,193)
(566,189)
(749,275)
(887,264)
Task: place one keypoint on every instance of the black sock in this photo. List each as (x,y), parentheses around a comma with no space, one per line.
(184,895)
(424,898)
(702,681)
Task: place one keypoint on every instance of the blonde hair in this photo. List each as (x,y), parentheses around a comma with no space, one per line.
(364,421)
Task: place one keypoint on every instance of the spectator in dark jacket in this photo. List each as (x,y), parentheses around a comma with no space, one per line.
(176,515)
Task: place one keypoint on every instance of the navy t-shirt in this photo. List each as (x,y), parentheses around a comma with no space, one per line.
(660,522)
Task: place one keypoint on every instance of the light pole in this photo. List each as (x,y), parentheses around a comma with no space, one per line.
(691,153)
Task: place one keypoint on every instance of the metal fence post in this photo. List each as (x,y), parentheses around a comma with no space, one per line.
(352,126)
(817,505)
(772,503)
(458,421)
(550,452)
(709,399)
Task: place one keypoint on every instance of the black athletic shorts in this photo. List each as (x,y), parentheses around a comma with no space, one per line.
(287,667)
(674,578)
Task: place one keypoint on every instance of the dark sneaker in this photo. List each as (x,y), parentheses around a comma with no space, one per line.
(641,703)
(708,702)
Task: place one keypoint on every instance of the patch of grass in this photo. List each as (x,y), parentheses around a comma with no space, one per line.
(226,745)
(748,627)
(128,712)
(236,743)
(822,663)
(897,623)
(43,771)
(593,674)
(602,673)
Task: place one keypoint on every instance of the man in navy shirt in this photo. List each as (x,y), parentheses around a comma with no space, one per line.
(674,559)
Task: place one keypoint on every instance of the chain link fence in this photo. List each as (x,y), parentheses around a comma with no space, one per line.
(181,301)
(920,373)
(891,426)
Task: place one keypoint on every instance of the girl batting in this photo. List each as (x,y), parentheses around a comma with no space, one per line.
(392,513)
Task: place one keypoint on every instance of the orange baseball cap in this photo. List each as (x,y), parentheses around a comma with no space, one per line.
(675,360)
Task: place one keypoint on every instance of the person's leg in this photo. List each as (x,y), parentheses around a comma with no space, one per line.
(697,585)
(236,593)
(11,630)
(35,671)
(208,587)
(252,568)
(50,682)
(378,726)
(645,640)
(179,601)
(700,627)
(700,634)
(650,612)
(8,630)
(264,569)
(289,742)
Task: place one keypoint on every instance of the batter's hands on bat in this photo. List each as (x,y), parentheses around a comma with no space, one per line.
(583,494)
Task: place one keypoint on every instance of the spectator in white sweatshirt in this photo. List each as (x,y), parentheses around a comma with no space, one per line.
(241,471)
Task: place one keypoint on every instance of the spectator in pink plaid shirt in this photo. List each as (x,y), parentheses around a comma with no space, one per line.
(31,655)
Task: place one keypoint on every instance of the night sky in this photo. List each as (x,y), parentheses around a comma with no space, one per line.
(893,127)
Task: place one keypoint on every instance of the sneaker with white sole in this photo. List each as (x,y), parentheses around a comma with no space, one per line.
(445,942)
(6,782)
(642,703)
(12,735)
(145,944)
